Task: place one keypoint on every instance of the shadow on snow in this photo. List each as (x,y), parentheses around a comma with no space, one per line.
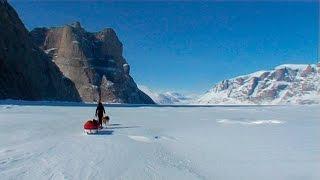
(123,127)
(104,132)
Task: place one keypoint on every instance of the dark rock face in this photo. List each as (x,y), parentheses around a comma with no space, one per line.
(93,61)
(26,72)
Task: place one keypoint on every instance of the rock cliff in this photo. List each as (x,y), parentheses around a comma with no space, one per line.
(93,61)
(27,73)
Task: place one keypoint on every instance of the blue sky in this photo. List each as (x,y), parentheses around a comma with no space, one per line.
(189,46)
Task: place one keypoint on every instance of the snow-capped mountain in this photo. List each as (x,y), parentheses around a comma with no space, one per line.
(286,84)
(167,97)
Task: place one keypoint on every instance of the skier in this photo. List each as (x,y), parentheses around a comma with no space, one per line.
(99,112)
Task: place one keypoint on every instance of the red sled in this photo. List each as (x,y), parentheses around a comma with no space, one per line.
(91,127)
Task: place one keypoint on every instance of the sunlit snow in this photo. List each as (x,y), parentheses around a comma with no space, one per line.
(223,142)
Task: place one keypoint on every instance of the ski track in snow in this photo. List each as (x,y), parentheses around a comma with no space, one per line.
(43,142)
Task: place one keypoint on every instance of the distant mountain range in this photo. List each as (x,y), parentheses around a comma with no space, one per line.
(286,84)
(167,97)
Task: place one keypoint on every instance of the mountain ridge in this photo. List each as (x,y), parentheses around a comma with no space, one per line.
(285,84)
(167,98)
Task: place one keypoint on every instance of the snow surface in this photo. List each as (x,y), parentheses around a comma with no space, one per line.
(221,142)
(47,51)
(300,67)
(254,74)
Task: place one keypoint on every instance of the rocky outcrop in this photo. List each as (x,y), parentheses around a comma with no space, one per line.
(286,84)
(26,71)
(93,61)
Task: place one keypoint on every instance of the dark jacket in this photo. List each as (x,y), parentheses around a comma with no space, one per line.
(100,110)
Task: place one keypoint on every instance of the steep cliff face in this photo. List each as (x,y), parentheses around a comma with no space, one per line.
(286,84)
(93,61)
(26,72)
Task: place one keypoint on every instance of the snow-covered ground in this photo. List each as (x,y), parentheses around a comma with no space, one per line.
(253,142)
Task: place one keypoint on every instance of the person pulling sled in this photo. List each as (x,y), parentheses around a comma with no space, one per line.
(93,126)
(100,112)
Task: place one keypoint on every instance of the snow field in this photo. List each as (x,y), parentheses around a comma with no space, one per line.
(255,142)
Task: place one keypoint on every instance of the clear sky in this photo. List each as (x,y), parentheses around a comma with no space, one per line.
(189,46)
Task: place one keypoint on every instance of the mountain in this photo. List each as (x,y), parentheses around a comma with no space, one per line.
(93,61)
(26,71)
(167,97)
(286,84)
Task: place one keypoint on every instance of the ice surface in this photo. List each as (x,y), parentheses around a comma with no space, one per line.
(252,142)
